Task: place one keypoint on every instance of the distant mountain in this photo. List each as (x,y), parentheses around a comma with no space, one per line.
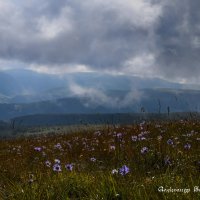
(8,85)
(178,100)
(148,101)
(24,92)
(34,83)
(26,86)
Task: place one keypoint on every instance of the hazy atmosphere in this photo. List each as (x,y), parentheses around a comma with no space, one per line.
(107,56)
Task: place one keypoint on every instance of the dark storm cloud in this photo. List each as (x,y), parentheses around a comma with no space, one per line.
(178,39)
(94,33)
(161,37)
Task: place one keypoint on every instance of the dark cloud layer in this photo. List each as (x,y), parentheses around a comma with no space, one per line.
(146,37)
(178,39)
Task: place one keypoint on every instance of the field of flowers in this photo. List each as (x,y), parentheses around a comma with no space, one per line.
(149,160)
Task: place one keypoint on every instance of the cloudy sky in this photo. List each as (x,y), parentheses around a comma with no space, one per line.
(148,38)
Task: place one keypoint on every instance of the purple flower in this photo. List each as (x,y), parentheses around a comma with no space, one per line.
(57,168)
(144,150)
(38,148)
(141,138)
(93,159)
(119,135)
(69,167)
(170,142)
(124,170)
(98,133)
(48,163)
(134,138)
(187,146)
(58,146)
(167,160)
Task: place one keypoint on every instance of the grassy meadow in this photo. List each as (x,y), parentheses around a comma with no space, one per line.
(148,160)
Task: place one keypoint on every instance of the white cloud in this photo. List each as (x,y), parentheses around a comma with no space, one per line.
(141,65)
(97,97)
(58,69)
(51,28)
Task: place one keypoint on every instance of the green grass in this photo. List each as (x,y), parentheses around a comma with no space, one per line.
(24,174)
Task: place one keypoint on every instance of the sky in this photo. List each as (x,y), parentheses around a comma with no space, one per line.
(147,38)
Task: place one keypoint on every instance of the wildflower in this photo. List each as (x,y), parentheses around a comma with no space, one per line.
(48,163)
(119,135)
(38,148)
(167,160)
(141,135)
(124,170)
(57,168)
(170,142)
(141,138)
(134,138)
(58,146)
(57,161)
(187,146)
(97,133)
(69,167)
(114,171)
(93,159)
(112,147)
(144,150)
